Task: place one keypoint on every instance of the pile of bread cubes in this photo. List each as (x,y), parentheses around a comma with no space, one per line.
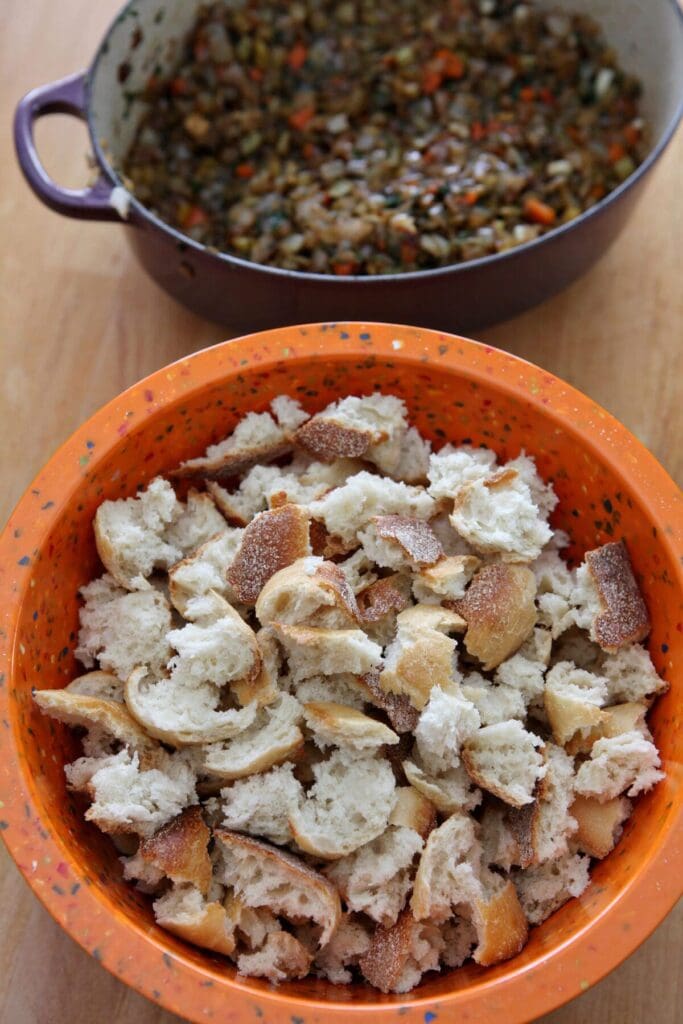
(349,713)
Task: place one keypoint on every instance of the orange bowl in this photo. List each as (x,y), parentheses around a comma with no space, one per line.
(609,486)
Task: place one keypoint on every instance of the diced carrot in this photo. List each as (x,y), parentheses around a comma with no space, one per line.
(470,198)
(245,170)
(301,118)
(451,63)
(179,86)
(345,269)
(538,211)
(431,80)
(256,74)
(631,134)
(615,151)
(194,217)
(527,93)
(296,58)
(546,95)
(477,131)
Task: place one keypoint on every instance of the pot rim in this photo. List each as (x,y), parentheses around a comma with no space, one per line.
(370,280)
(174,979)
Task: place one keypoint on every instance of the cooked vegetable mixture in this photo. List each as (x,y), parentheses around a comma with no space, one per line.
(357,137)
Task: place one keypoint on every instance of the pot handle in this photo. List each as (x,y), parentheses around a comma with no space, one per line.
(66,96)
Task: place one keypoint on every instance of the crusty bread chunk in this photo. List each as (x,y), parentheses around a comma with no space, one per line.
(449,792)
(128,799)
(555,584)
(400,542)
(446,580)
(599,824)
(261,804)
(264,688)
(121,629)
(130,534)
(343,688)
(107,719)
(184,911)
(181,710)
(402,715)
(341,726)
(544,888)
(349,508)
(97,684)
(413,810)
(348,805)
(451,469)
(258,437)
(309,592)
(179,850)
(499,609)
(359,570)
(264,876)
(203,572)
(498,516)
(240,506)
(273,737)
(446,722)
(573,698)
(422,655)
(631,676)
(281,957)
(271,541)
(554,824)
(495,702)
(624,763)
(314,651)
(542,494)
(505,760)
(398,956)
(348,944)
(377,878)
(380,603)
(197,523)
(608,599)
(218,648)
(371,427)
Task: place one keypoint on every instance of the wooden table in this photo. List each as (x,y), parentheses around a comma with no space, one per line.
(79,322)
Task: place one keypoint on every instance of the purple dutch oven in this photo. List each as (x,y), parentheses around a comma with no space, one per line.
(146,36)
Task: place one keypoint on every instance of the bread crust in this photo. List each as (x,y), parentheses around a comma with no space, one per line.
(345,726)
(327,439)
(500,611)
(624,617)
(380,599)
(383,963)
(210,930)
(502,927)
(413,810)
(398,708)
(180,849)
(569,717)
(599,823)
(110,715)
(272,541)
(326,578)
(414,536)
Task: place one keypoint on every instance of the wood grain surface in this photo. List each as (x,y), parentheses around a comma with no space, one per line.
(79,322)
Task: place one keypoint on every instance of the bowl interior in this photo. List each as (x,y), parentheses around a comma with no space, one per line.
(126,450)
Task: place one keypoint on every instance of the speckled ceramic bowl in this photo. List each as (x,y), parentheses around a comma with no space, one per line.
(609,487)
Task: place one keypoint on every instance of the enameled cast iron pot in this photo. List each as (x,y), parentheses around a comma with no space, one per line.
(648,38)
(609,487)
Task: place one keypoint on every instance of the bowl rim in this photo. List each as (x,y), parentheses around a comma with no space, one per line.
(651,891)
(364,280)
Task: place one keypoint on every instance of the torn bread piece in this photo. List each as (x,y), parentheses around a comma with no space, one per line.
(422,655)
(624,763)
(554,584)
(452,791)
(631,676)
(380,603)
(343,688)
(204,571)
(505,760)
(573,701)
(181,710)
(500,612)
(110,721)
(608,599)
(398,956)
(544,888)
(349,508)
(258,437)
(219,647)
(371,427)
(240,506)
(310,592)
(348,805)
(400,542)
(447,580)
(282,957)
(495,702)
(446,722)
(451,469)
(97,684)
(184,911)
(414,811)
(272,738)
(198,522)
(179,850)
(348,944)
(554,824)
(261,804)
(271,541)
(498,515)
(342,726)
(264,876)
(599,825)
(403,717)
(312,651)
(377,878)
(264,688)
(122,629)
(130,534)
